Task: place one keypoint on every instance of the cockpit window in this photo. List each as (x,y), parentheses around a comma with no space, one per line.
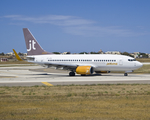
(131,59)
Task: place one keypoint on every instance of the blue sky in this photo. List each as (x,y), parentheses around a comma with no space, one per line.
(76,25)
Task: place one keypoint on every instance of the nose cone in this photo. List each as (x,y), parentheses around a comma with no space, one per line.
(139,64)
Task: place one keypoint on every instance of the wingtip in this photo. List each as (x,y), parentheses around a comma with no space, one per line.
(17,56)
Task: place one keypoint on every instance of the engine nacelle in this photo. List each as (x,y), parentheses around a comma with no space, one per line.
(84,70)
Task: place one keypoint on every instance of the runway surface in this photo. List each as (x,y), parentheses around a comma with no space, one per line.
(37,75)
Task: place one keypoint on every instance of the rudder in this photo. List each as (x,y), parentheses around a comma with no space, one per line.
(33,47)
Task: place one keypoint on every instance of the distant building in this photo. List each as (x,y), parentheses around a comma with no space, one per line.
(10,53)
(136,54)
(132,54)
(113,52)
(64,53)
(100,52)
(4,59)
(25,54)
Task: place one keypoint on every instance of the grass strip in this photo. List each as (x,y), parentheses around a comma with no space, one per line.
(98,102)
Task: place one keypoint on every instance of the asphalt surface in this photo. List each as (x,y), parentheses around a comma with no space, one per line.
(37,75)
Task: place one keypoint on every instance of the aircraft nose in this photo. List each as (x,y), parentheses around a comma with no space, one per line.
(139,64)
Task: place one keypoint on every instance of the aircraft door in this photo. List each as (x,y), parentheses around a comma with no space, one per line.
(134,64)
(120,62)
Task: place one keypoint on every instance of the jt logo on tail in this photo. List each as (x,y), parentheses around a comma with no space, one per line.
(31,45)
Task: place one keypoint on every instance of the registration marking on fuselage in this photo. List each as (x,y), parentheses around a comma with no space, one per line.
(46,83)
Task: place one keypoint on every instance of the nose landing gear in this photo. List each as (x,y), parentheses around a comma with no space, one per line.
(125,74)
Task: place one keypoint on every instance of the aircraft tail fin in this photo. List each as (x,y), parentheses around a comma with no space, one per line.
(33,47)
(17,56)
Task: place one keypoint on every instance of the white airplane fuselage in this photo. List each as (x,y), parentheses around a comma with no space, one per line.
(100,62)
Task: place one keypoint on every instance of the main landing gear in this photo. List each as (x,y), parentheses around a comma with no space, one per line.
(125,74)
(72,73)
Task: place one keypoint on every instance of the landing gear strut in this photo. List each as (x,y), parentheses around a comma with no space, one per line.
(125,74)
(72,74)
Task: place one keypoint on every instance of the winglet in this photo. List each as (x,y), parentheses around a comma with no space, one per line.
(17,56)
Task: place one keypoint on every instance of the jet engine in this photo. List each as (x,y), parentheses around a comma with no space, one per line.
(84,70)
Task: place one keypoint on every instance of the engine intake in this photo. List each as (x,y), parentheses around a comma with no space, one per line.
(84,70)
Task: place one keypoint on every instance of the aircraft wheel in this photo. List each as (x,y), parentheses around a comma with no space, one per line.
(72,74)
(125,74)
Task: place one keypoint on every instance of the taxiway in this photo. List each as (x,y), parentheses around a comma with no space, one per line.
(37,75)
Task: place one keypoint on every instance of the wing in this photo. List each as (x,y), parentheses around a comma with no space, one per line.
(63,66)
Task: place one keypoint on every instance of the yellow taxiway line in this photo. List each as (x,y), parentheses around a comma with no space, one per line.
(46,83)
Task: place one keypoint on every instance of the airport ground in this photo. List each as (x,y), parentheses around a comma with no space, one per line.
(76,102)
(23,74)
(31,75)
(32,92)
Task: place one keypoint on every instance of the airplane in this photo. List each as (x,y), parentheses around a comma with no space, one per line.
(83,64)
